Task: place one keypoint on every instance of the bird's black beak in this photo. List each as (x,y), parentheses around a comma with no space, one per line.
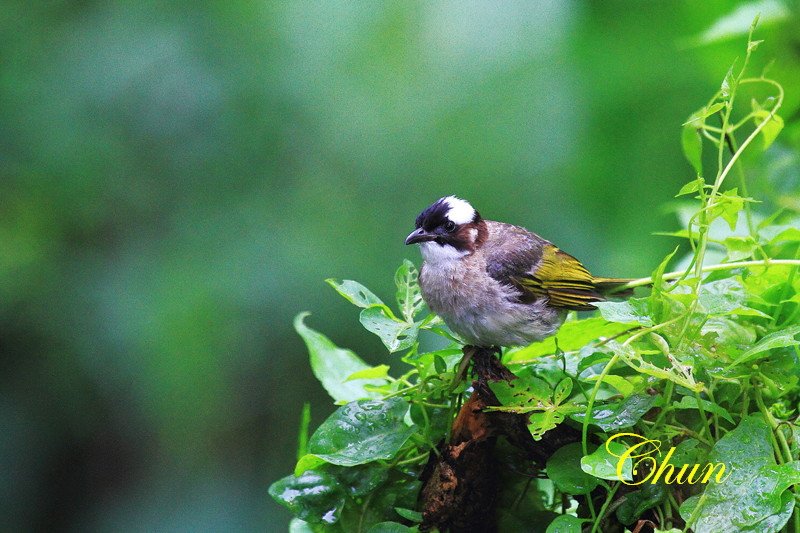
(419,235)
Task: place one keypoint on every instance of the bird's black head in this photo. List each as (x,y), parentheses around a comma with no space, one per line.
(449,221)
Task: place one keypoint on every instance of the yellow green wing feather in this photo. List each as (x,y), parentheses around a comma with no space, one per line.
(563,280)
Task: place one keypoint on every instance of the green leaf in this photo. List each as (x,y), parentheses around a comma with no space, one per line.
(777,339)
(750,497)
(408,514)
(307,462)
(375,372)
(631,311)
(409,298)
(299,526)
(564,469)
(439,364)
(624,386)
(562,390)
(771,129)
(354,292)
(395,334)
(314,497)
(639,501)
(620,415)
(692,144)
(332,365)
(693,186)
(728,205)
(602,464)
(302,434)
(690,402)
(573,335)
(362,431)
(565,523)
(739,248)
(389,527)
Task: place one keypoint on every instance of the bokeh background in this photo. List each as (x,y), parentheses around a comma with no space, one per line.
(177,180)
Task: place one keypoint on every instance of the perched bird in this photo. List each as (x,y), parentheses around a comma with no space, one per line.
(496,284)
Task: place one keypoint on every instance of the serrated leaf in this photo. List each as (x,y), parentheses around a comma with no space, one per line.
(409,298)
(332,365)
(564,470)
(395,334)
(354,292)
(362,431)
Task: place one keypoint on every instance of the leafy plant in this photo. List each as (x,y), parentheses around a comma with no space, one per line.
(707,363)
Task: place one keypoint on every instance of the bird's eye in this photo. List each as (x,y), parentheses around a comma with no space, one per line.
(450,226)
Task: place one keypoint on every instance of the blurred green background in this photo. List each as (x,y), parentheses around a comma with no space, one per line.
(177,181)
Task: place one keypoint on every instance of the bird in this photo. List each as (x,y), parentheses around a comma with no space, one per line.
(496,284)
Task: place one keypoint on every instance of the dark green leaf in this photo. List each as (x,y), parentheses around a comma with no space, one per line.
(777,339)
(408,514)
(362,431)
(564,469)
(314,497)
(639,501)
(750,497)
(621,415)
(389,527)
(565,523)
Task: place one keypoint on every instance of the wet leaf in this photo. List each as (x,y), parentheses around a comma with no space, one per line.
(751,497)
(620,415)
(602,464)
(362,431)
(395,334)
(631,311)
(314,497)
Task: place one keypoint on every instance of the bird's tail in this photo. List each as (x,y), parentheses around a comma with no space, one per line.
(613,287)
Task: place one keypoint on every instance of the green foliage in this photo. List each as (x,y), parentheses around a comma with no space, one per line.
(705,368)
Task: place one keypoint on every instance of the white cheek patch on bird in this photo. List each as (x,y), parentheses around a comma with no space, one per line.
(460,211)
(439,254)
